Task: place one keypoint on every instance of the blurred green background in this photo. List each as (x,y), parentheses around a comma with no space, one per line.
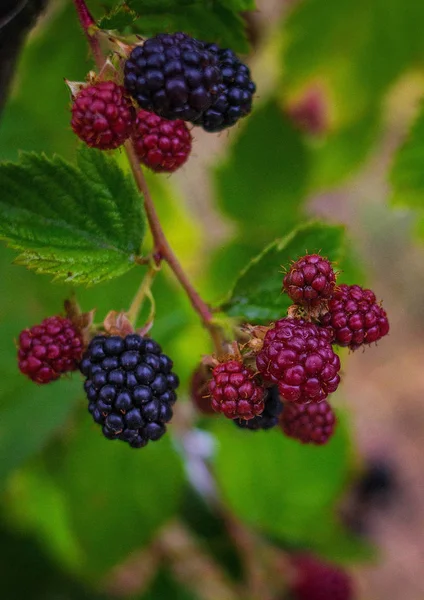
(339,85)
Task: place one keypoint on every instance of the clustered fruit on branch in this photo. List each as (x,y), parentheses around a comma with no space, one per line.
(290,369)
(174,79)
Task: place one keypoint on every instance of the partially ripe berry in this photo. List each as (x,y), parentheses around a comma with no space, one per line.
(310,280)
(130,387)
(354,317)
(48,350)
(319,580)
(309,423)
(235,391)
(298,357)
(199,390)
(103,115)
(161,145)
(270,415)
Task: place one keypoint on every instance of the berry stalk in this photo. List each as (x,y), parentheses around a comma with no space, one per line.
(162,249)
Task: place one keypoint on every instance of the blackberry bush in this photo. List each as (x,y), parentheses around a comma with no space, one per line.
(130,387)
(298,357)
(48,350)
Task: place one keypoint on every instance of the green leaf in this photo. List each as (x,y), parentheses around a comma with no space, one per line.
(256,296)
(208,21)
(263,181)
(113,498)
(294,489)
(360,49)
(37,116)
(83,224)
(407,174)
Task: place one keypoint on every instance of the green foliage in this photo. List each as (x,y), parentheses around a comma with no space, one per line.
(107,497)
(256,296)
(82,225)
(280,486)
(359,49)
(264,179)
(37,115)
(407,175)
(216,21)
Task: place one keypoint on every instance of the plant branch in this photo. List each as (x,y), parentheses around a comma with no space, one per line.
(162,249)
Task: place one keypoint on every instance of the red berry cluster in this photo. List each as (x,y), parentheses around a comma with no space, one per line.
(296,356)
(104,117)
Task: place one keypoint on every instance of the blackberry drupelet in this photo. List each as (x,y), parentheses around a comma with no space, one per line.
(130,387)
(235,96)
(174,76)
(270,416)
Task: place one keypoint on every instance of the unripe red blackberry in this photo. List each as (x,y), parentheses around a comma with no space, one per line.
(173,75)
(130,387)
(235,391)
(318,580)
(103,115)
(199,390)
(161,145)
(310,280)
(268,419)
(354,317)
(309,423)
(48,350)
(298,357)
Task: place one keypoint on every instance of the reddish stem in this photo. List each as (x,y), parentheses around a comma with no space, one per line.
(162,249)
(89,27)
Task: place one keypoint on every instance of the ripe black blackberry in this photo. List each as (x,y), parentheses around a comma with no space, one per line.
(270,415)
(235,96)
(130,387)
(174,76)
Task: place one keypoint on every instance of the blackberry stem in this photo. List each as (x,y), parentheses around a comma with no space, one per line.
(141,294)
(162,250)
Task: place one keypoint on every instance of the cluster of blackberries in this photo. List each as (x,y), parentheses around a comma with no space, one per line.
(294,368)
(173,79)
(129,382)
